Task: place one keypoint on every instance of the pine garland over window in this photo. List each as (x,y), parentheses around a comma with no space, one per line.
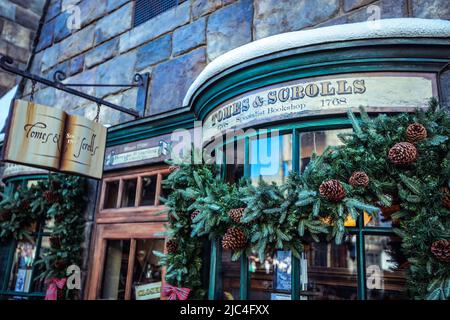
(398,163)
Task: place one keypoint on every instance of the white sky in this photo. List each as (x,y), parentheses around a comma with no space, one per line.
(5,102)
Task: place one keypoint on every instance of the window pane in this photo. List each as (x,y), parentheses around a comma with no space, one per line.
(383,219)
(148,190)
(111,194)
(235,154)
(129,193)
(329,272)
(21,272)
(115,269)
(4,257)
(385,268)
(316,142)
(270,158)
(147,270)
(230,276)
(270,279)
(39,285)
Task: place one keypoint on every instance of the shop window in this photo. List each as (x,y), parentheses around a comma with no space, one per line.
(270,158)
(4,257)
(234,161)
(147,271)
(148,196)
(21,273)
(129,193)
(131,270)
(115,269)
(315,142)
(385,268)
(132,191)
(330,272)
(270,279)
(230,276)
(111,194)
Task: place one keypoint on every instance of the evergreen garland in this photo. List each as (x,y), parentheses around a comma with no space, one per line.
(61,197)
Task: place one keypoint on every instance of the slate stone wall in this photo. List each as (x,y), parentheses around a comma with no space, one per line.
(103,46)
(19,21)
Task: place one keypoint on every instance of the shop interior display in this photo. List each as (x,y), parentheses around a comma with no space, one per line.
(396,166)
(57,205)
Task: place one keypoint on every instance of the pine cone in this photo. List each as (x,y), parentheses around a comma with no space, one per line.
(332,190)
(234,239)
(173,168)
(59,218)
(236,214)
(171,246)
(416,133)
(194,214)
(446,197)
(403,153)
(359,179)
(55,184)
(441,250)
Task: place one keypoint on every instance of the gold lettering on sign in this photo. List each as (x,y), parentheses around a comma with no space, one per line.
(45,137)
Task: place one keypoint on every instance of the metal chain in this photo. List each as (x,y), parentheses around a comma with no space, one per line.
(97,116)
(33,89)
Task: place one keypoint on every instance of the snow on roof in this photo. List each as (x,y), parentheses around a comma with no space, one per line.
(387,28)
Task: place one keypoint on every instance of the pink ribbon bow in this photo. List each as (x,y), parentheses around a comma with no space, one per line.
(53,285)
(175,293)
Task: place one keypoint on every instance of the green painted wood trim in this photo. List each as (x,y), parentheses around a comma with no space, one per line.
(244,277)
(214,269)
(25,178)
(427,55)
(295,278)
(361,261)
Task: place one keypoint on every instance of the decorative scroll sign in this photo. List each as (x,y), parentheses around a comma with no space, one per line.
(45,137)
(377,91)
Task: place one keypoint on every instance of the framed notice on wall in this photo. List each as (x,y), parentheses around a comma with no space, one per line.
(45,137)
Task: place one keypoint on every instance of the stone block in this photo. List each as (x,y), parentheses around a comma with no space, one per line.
(353,4)
(272,18)
(91,10)
(46,36)
(154,52)
(16,34)
(76,65)
(61,26)
(113,4)
(117,70)
(203,7)
(7,10)
(431,9)
(188,37)
(27,18)
(77,43)
(165,22)
(49,57)
(102,53)
(114,24)
(53,10)
(229,27)
(171,80)
(87,76)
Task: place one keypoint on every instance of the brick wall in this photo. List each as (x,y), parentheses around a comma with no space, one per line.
(176,45)
(19,21)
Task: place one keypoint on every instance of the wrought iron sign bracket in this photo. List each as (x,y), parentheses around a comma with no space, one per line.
(141,81)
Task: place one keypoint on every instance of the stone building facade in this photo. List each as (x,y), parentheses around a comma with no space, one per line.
(19,25)
(104,47)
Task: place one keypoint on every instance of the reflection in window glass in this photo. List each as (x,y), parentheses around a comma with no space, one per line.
(316,142)
(39,285)
(270,158)
(147,270)
(111,194)
(115,270)
(230,276)
(385,268)
(4,255)
(383,218)
(129,193)
(329,272)
(235,156)
(21,272)
(270,279)
(148,190)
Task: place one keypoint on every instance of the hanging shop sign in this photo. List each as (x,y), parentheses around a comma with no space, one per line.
(45,137)
(148,291)
(377,92)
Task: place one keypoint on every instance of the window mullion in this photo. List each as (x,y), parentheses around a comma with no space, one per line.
(361,260)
